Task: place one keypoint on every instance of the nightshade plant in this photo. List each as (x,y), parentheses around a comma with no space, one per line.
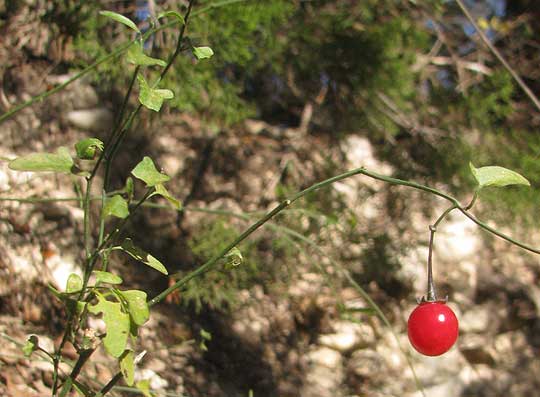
(99,292)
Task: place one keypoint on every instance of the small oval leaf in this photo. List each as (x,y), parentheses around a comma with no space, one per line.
(495,176)
(106,277)
(147,172)
(203,52)
(60,161)
(127,367)
(74,283)
(120,18)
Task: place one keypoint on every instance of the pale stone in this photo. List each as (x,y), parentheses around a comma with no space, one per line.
(326,357)
(360,153)
(475,320)
(348,336)
(156,381)
(94,120)
(456,240)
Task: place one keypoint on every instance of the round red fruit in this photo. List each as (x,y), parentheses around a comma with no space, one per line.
(432,328)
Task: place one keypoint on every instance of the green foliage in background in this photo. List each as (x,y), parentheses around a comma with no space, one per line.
(271,57)
(219,289)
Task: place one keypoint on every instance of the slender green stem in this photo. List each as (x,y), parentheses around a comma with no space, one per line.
(83,358)
(107,58)
(208,265)
(179,42)
(60,87)
(106,158)
(359,289)
(358,171)
(87,220)
(473,201)
(217,4)
(431,295)
(114,237)
(499,56)
(102,218)
(107,388)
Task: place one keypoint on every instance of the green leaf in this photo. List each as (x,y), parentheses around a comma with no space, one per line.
(161,191)
(137,304)
(129,188)
(142,256)
(127,367)
(234,258)
(74,283)
(66,388)
(495,176)
(106,277)
(86,149)
(55,292)
(136,56)
(174,14)
(60,161)
(144,387)
(117,323)
(115,206)
(205,336)
(146,171)
(120,18)
(31,345)
(202,52)
(150,97)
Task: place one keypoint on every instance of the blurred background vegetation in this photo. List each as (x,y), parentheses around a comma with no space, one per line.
(411,76)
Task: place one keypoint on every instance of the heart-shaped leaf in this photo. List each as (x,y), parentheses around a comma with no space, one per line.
(136,56)
(150,97)
(142,256)
(147,172)
(495,176)
(115,206)
(203,52)
(60,161)
(117,323)
(120,18)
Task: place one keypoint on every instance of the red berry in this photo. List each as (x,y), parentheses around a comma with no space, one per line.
(432,328)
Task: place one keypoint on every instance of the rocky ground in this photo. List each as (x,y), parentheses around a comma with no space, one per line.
(304,332)
(287,341)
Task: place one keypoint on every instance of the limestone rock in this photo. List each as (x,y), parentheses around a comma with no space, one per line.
(348,336)
(94,120)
